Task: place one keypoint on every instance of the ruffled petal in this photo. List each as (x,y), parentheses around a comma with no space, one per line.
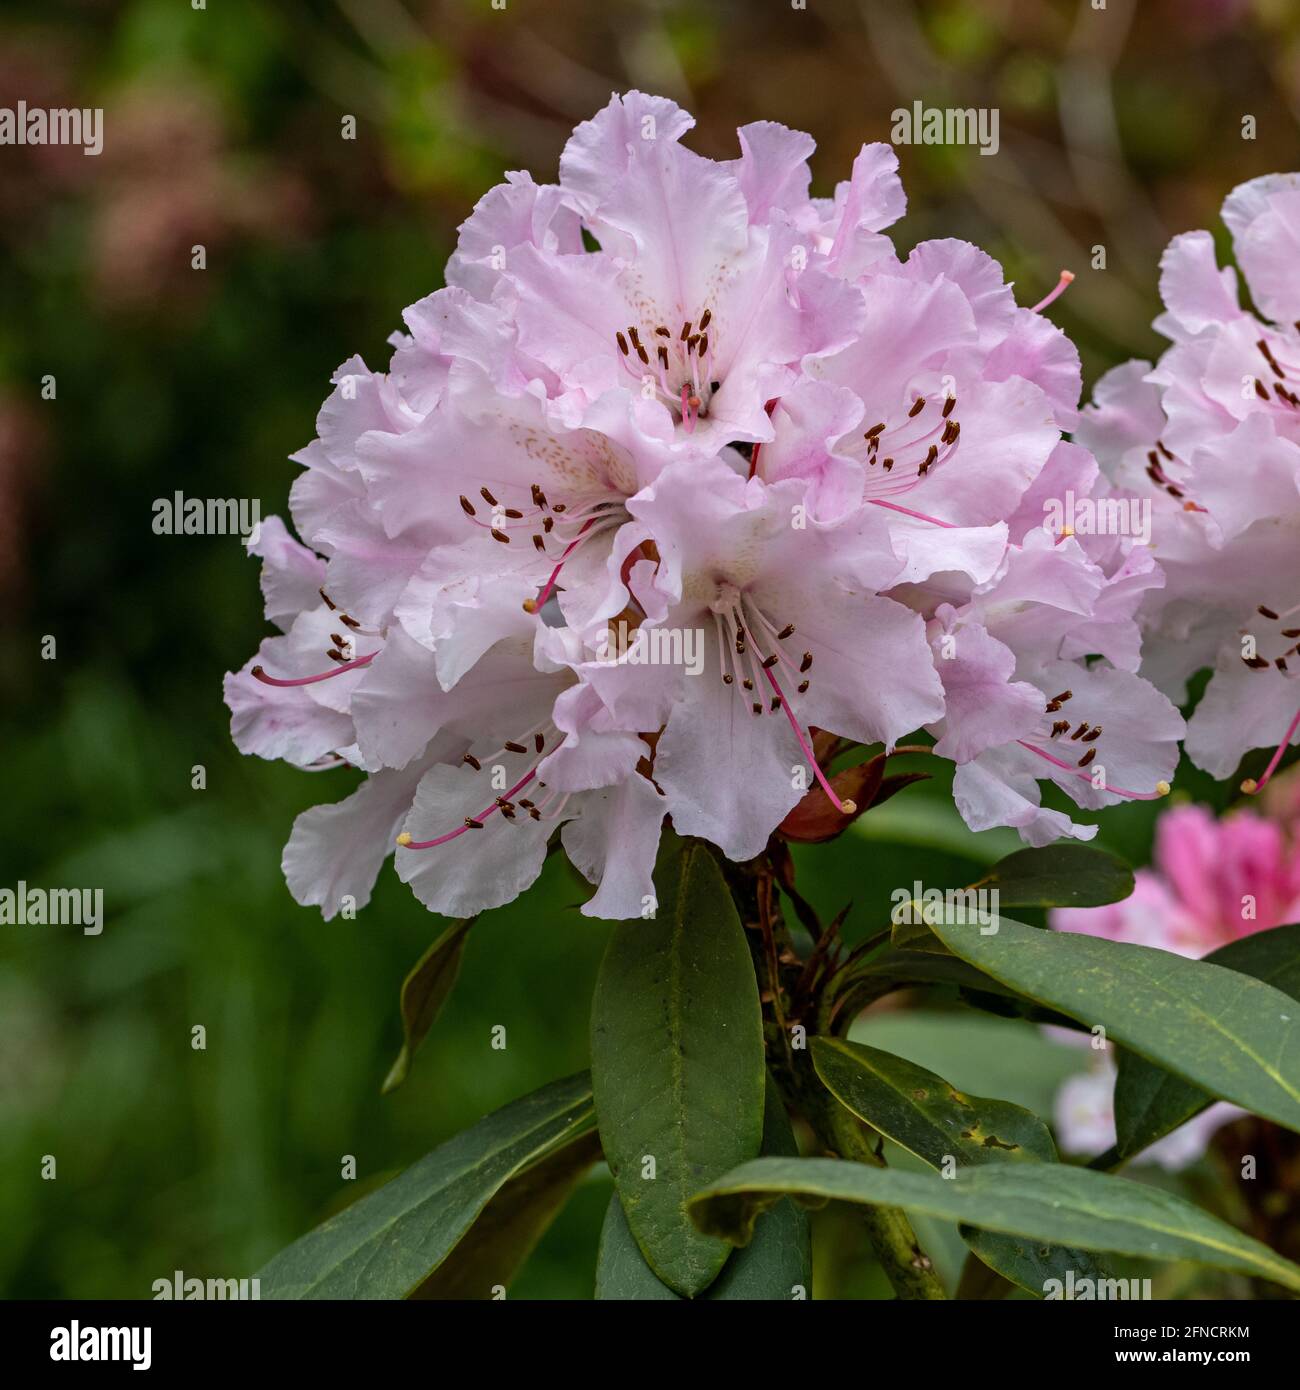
(481,868)
(613,843)
(292,574)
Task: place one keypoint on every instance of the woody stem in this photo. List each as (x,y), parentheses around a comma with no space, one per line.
(906,1265)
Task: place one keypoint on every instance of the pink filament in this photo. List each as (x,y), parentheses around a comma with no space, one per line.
(549,587)
(907,511)
(1067,278)
(688,419)
(261,675)
(1277,757)
(803,742)
(1080,772)
(464,829)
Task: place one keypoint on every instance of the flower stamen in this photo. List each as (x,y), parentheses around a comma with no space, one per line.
(259,674)
(505,801)
(1250,786)
(1063,284)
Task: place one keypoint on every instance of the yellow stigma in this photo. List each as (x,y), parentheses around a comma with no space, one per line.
(1162,788)
(404,838)
(1066,531)
(1250,786)
(848,807)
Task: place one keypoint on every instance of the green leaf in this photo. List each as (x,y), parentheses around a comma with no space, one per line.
(424,992)
(1051,1202)
(496,1246)
(926,1115)
(1238,1038)
(891,968)
(387,1243)
(772,1266)
(1149,1102)
(621,1270)
(923,1113)
(677,1060)
(1059,876)
(911,933)
(1013,1059)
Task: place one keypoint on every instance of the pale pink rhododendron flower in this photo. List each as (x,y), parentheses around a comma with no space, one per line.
(1211,437)
(1084,1115)
(1021,704)
(1024,702)
(1212,882)
(672,398)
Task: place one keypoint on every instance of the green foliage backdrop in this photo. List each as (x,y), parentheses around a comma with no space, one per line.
(223,128)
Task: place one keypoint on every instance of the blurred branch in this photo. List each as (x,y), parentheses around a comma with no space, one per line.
(384,25)
(355,85)
(651,60)
(563,84)
(1006,191)
(1086,102)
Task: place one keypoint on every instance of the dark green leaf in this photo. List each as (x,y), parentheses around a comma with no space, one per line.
(1238,1038)
(1059,876)
(677,1060)
(892,968)
(496,1246)
(387,1244)
(936,1122)
(1051,1202)
(927,963)
(621,1270)
(923,1113)
(1005,1056)
(424,992)
(1149,1101)
(776,1263)
(911,933)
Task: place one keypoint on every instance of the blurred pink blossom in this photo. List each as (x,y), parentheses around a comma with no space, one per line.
(1212,882)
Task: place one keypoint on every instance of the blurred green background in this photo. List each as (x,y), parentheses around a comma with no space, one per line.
(1119,127)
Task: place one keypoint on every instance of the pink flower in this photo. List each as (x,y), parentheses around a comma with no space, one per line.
(476,834)
(702,310)
(1211,436)
(1085,1120)
(741,426)
(1023,701)
(1211,883)
(1102,735)
(795,634)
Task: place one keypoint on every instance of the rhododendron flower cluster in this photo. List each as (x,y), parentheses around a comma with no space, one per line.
(677,396)
(1212,883)
(1211,436)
